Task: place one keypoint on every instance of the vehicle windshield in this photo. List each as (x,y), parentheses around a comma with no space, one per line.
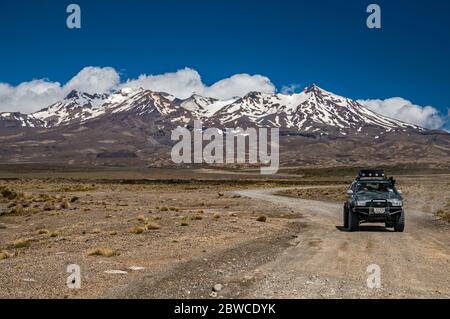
(378,187)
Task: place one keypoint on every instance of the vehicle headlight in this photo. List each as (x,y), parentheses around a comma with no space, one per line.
(396,202)
(360,203)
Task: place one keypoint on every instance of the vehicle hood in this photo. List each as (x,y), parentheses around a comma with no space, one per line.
(367,196)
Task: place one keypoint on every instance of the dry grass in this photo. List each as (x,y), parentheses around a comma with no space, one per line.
(152,226)
(74,199)
(105,252)
(142,218)
(64,204)
(21,243)
(137,230)
(261,218)
(9,193)
(17,209)
(444,213)
(4,254)
(43,232)
(48,207)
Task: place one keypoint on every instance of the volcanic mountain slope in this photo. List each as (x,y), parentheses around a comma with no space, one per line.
(313,110)
(135,125)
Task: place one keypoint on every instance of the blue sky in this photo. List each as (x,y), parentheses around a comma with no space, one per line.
(290,42)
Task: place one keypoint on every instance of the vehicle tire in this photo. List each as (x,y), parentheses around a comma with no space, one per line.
(353,221)
(399,225)
(345,217)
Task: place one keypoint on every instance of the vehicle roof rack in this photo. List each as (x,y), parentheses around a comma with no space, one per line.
(371,174)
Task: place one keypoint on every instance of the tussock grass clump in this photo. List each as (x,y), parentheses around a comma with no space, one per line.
(142,218)
(43,231)
(216,216)
(9,193)
(17,209)
(48,207)
(113,233)
(4,254)
(64,204)
(105,252)
(261,218)
(196,217)
(74,199)
(137,230)
(443,214)
(152,226)
(21,243)
(164,209)
(54,234)
(184,224)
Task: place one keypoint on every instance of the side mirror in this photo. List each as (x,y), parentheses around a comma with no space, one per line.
(349,192)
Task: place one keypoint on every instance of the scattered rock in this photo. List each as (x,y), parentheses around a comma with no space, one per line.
(213,294)
(136,268)
(217,287)
(29,280)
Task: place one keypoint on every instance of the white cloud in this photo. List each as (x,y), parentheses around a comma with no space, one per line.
(181,84)
(94,80)
(239,85)
(186,82)
(291,88)
(34,95)
(402,109)
(28,97)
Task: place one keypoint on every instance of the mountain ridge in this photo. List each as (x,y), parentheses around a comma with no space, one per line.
(312,110)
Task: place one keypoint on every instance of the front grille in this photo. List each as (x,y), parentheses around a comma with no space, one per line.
(378,203)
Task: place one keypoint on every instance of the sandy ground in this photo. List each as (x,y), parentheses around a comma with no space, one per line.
(208,235)
(328,262)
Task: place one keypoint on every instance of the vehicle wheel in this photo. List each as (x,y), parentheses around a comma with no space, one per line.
(353,221)
(399,225)
(345,217)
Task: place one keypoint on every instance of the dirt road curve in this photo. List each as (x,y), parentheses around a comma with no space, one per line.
(315,258)
(330,262)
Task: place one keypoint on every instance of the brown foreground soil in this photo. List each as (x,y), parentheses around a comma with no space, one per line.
(141,238)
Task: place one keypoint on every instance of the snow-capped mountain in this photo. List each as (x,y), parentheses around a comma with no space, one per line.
(314,110)
(133,127)
(16,120)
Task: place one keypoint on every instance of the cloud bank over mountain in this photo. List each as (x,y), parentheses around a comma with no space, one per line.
(28,97)
(404,110)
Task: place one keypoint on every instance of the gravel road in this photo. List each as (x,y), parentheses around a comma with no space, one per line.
(315,258)
(328,262)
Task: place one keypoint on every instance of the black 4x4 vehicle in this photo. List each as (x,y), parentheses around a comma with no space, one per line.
(373,198)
